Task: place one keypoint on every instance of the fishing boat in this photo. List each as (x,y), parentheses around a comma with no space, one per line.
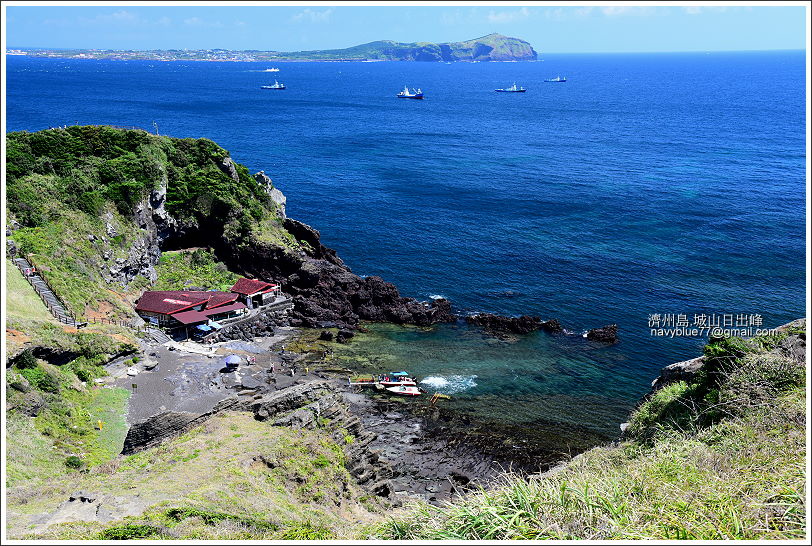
(557,79)
(276,85)
(406,94)
(397,379)
(271,70)
(512,89)
(405,391)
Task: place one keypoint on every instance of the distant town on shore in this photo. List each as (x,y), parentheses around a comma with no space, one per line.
(493,47)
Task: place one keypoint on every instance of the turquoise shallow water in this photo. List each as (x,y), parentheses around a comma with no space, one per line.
(558,382)
(648,183)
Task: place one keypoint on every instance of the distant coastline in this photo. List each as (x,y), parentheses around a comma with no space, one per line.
(493,47)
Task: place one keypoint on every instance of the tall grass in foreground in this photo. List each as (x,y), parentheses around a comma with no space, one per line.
(722,457)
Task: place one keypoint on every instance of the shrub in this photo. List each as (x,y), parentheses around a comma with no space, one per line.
(129,532)
(304,531)
(26,360)
(74,462)
(40,379)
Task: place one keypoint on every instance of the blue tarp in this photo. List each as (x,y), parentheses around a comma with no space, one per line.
(215,325)
(204,328)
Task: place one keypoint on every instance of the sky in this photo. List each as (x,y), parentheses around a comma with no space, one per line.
(579,28)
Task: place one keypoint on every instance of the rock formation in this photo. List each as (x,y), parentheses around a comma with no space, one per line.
(497,324)
(604,334)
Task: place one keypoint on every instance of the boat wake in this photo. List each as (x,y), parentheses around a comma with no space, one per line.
(449,385)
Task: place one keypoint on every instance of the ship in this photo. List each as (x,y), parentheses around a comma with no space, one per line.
(557,79)
(512,89)
(271,70)
(276,85)
(406,94)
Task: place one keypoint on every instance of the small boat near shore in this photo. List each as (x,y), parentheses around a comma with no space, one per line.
(407,94)
(557,79)
(394,383)
(276,85)
(512,89)
(405,391)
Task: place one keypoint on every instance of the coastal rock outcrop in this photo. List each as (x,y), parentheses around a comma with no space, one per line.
(169,424)
(604,334)
(326,293)
(497,324)
(310,404)
(276,195)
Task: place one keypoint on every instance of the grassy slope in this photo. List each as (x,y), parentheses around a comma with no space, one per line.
(21,300)
(720,458)
(214,474)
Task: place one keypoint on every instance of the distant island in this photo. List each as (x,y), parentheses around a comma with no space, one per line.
(493,47)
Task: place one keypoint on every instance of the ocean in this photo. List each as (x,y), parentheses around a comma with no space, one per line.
(647,184)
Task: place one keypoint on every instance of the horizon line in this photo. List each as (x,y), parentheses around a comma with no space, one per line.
(37,48)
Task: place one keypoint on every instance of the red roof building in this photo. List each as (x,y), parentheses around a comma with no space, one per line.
(254,292)
(182,308)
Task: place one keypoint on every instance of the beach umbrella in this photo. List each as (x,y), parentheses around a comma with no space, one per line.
(233,359)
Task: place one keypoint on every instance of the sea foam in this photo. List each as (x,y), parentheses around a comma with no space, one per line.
(451,384)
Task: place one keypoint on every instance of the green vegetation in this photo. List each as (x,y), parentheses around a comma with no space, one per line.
(199,268)
(21,300)
(719,457)
(130,532)
(74,193)
(274,483)
(73,422)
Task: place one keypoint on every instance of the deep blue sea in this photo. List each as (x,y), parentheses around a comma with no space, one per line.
(645,184)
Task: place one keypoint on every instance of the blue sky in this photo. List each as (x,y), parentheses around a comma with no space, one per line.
(548,28)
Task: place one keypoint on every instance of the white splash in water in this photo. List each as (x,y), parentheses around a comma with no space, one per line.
(437,297)
(451,384)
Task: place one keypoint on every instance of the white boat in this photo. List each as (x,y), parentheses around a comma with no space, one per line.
(271,70)
(406,94)
(557,79)
(405,391)
(512,89)
(276,85)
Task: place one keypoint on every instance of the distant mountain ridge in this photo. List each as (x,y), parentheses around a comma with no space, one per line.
(493,47)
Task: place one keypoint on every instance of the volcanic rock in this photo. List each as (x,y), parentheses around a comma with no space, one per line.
(604,334)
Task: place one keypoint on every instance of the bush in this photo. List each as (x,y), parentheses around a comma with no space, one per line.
(26,360)
(304,531)
(129,532)
(40,379)
(74,462)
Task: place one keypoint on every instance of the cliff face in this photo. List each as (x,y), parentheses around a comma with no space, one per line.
(493,47)
(104,203)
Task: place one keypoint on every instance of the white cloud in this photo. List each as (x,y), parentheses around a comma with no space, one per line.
(312,16)
(508,16)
